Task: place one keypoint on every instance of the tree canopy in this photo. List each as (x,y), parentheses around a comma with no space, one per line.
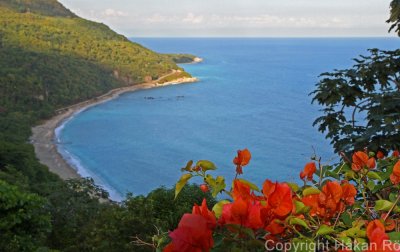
(361,105)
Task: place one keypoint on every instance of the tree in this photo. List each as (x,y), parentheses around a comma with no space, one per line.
(361,105)
(24,220)
(394,16)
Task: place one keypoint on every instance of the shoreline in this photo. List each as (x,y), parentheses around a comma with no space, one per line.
(44,137)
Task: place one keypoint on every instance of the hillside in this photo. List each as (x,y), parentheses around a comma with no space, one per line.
(44,7)
(50,58)
(54,58)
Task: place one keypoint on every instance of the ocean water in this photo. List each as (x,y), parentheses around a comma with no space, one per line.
(253,93)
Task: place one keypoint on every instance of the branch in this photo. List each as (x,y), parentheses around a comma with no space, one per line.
(354,112)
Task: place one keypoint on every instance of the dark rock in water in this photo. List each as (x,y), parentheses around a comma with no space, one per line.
(149,98)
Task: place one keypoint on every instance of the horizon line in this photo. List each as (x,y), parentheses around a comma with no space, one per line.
(264,37)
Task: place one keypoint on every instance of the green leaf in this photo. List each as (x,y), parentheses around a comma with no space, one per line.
(206,165)
(188,166)
(374,175)
(219,186)
(325,230)
(293,186)
(345,217)
(217,208)
(251,185)
(371,185)
(310,191)
(350,174)
(354,232)
(332,174)
(298,221)
(300,207)
(383,205)
(181,183)
(394,236)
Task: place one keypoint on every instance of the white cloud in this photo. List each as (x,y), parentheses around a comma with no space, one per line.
(192,18)
(113,13)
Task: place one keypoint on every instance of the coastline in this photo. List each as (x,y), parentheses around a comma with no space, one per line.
(44,137)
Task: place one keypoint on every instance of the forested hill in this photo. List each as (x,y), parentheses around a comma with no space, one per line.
(50,58)
(44,7)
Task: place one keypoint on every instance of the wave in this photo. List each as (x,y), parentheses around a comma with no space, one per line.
(76,164)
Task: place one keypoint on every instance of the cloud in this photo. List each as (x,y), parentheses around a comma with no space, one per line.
(258,21)
(192,18)
(113,13)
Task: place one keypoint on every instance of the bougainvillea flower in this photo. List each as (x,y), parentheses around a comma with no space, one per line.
(192,235)
(240,190)
(395,176)
(373,225)
(389,223)
(242,159)
(380,154)
(275,227)
(361,160)
(349,192)
(280,200)
(242,212)
(207,214)
(331,195)
(308,171)
(268,188)
(378,239)
(169,248)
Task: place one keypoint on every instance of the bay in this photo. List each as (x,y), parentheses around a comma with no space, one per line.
(252,93)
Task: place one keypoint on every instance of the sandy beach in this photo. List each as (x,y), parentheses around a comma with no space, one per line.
(43,136)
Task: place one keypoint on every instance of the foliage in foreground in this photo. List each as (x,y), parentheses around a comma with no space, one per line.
(361,105)
(351,206)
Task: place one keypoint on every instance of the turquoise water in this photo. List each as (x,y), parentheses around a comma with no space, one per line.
(253,94)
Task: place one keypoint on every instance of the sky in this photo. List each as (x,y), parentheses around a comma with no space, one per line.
(238,18)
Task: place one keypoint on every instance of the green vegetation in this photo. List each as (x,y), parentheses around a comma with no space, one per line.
(361,105)
(175,76)
(38,53)
(50,58)
(181,58)
(44,7)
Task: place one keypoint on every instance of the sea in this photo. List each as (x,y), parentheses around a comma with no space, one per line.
(252,93)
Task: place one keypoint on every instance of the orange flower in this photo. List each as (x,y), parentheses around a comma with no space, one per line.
(378,239)
(308,171)
(207,214)
(268,188)
(275,228)
(349,192)
(312,201)
(389,223)
(194,232)
(242,212)
(380,154)
(375,224)
(396,153)
(240,190)
(242,159)
(330,196)
(361,160)
(192,235)
(395,176)
(280,200)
